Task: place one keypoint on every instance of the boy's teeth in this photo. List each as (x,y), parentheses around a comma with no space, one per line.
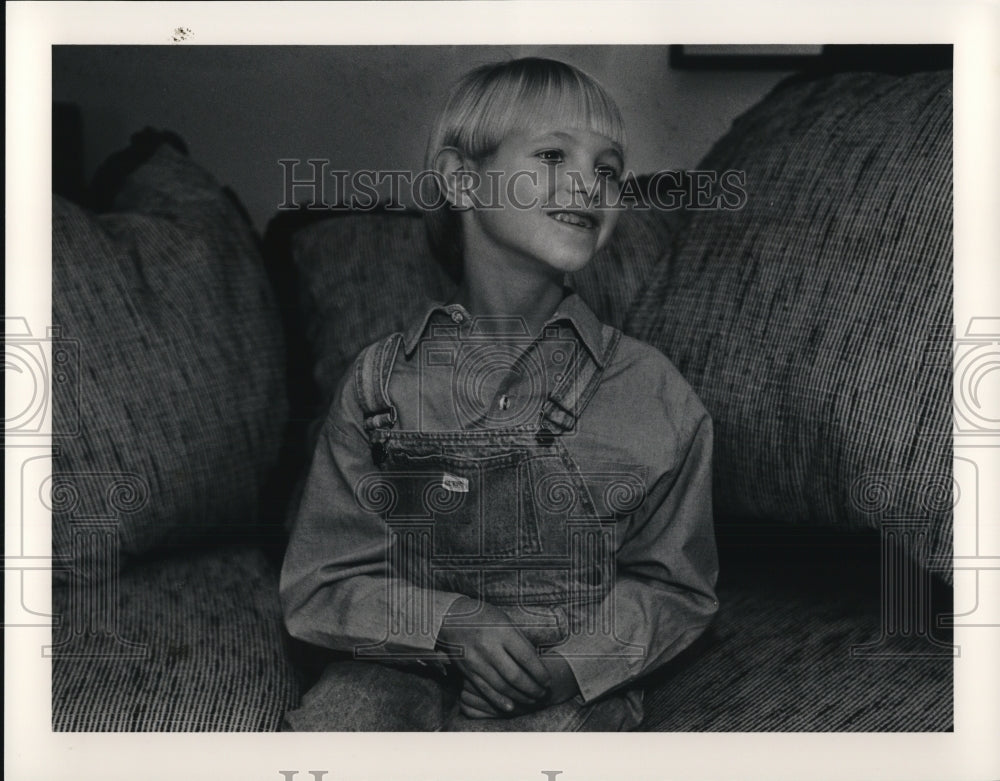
(573,219)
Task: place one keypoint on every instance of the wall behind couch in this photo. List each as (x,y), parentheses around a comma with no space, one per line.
(241,109)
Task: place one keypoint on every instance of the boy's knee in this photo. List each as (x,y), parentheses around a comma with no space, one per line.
(355,696)
(618,712)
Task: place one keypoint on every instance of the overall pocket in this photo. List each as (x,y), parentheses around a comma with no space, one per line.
(480,507)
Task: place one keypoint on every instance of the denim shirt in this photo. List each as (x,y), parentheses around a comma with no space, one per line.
(643,419)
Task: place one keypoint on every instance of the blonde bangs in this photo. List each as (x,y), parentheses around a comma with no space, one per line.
(494,100)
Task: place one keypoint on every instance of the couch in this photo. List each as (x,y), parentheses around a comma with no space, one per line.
(812,315)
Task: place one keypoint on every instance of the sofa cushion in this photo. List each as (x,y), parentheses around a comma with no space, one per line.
(802,643)
(183,643)
(815,321)
(361,276)
(180,389)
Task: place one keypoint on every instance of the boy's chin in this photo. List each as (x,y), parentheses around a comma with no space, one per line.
(571,260)
(574,265)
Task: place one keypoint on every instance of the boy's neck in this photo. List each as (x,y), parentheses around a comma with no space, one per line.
(532,299)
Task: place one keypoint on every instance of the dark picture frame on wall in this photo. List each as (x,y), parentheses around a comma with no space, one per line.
(885,58)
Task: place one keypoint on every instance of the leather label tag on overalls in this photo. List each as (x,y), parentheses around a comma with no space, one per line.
(454,483)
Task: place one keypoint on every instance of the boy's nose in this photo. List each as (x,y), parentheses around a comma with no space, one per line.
(580,186)
(583,181)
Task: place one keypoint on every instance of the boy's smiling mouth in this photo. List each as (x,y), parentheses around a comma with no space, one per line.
(576,219)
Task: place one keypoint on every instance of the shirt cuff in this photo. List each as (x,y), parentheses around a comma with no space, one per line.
(418,622)
(441,602)
(600,666)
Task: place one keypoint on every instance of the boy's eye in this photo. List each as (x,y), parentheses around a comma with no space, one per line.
(608,172)
(551,156)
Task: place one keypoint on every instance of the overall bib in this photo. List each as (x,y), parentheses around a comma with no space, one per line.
(503,514)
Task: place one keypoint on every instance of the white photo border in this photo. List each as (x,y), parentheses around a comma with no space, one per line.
(33,752)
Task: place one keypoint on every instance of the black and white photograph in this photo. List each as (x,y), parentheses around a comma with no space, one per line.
(466,382)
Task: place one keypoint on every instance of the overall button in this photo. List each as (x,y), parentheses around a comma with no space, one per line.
(457,317)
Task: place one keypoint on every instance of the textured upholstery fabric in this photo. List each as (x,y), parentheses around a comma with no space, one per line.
(362,276)
(180,388)
(815,322)
(197,645)
(803,643)
(612,280)
(367,275)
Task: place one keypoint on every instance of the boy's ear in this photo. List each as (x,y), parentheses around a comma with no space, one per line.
(457,177)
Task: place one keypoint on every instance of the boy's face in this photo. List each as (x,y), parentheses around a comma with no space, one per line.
(544,200)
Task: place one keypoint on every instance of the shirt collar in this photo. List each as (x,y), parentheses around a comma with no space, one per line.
(572,309)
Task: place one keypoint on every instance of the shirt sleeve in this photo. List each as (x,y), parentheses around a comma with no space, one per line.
(338,587)
(664,594)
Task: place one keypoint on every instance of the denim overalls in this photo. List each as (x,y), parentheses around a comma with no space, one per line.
(501,513)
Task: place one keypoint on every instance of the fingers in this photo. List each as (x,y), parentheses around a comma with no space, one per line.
(474,713)
(500,701)
(531,675)
(475,706)
(505,665)
(515,670)
(505,675)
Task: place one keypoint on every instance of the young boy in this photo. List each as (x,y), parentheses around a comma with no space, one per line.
(508,516)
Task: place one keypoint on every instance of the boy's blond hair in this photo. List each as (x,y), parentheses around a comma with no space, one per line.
(491,101)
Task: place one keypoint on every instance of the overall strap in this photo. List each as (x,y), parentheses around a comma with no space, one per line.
(371,380)
(569,397)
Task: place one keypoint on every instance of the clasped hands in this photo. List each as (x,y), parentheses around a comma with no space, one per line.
(503,673)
